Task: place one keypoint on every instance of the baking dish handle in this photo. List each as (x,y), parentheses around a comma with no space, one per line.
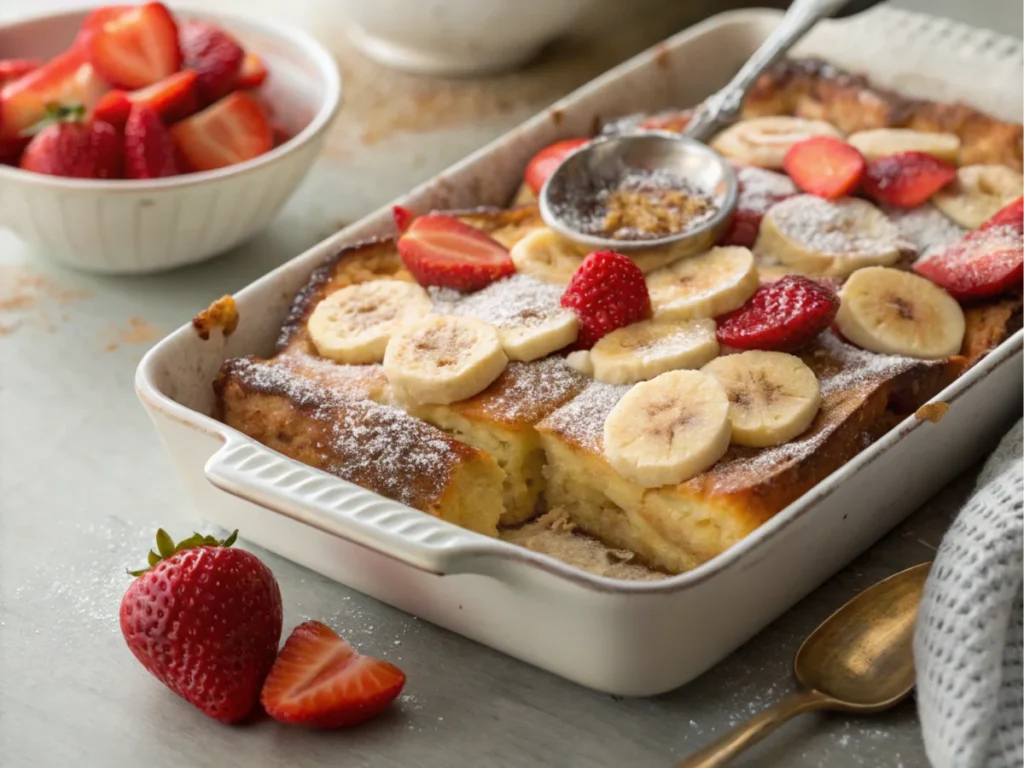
(255,473)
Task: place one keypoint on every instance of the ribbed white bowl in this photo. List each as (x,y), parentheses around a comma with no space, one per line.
(134,227)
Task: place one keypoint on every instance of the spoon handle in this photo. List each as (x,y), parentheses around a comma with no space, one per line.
(721,108)
(740,738)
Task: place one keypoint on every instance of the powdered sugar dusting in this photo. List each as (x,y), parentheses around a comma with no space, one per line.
(833,227)
(582,421)
(842,370)
(376,446)
(516,301)
(925,226)
(974,244)
(760,189)
(527,392)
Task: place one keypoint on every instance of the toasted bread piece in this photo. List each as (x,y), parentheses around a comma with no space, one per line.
(326,423)
(675,528)
(815,89)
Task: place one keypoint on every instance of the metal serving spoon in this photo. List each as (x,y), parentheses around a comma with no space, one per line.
(859,660)
(602,161)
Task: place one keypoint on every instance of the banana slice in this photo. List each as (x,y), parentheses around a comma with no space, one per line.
(580,361)
(898,313)
(883,142)
(441,359)
(528,314)
(546,255)
(708,285)
(764,141)
(669,429)
(353,325)
(829,237)
(979,191)
(649,348)
(773,396)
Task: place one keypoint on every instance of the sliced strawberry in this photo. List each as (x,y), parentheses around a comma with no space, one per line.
(986,262)
(97,18)
(783,315)
(825,166)
(320,680)
(14,69)
(607,291)
(66,79)
(280,134)
(136,47)
(69,147)
(906,179)
(149,149)
(230,131)
(544,163)
(173,98)
(759,190)
(253,71)
(403,217)
(214,55)
(443,251)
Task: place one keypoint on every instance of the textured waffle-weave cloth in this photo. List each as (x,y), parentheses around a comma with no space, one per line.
(969,644)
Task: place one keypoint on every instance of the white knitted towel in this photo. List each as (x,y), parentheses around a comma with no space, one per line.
(969,645)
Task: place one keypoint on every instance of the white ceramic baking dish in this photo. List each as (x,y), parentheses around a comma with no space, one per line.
(620,637)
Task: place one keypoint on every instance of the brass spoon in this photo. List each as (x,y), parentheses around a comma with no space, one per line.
(859,660)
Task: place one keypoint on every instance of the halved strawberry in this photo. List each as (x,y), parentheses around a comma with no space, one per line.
(906,179)
(783,316)
(544,163)
(320,680)
(135,47)
(825,166)
(443,251)
(986,262)
(214,55)
(173,98)
(230,131)
(149,150)
(13,69)
(253,71)
(67,79)
(607,291)
(403,217)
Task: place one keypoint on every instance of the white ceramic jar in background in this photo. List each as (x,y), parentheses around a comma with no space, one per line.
(456,37)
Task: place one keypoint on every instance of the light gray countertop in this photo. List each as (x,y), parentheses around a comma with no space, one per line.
(84,483)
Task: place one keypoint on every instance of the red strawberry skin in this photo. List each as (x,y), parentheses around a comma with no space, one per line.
(13,69)
(319,680)
(215,57)
(825,166)
(906,179)
(780,316)
(132,46)
(173,98)
(544,163)
(442,251)
(253,71)
(206,622)
(75,150)
(1011,215)
(607,292)
(403,217)
(149,149)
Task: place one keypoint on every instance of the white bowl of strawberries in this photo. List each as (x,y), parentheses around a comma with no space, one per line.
(135,139)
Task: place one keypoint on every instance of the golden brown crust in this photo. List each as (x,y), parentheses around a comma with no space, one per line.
(327,425)
(221,314)
(815,89)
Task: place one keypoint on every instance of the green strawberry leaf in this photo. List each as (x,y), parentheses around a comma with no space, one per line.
(167,548)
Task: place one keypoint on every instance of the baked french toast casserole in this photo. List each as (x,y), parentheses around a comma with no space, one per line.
(636,416)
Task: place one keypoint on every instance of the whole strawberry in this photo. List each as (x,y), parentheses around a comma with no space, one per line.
(205,619)
(64,145)
(607,291)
